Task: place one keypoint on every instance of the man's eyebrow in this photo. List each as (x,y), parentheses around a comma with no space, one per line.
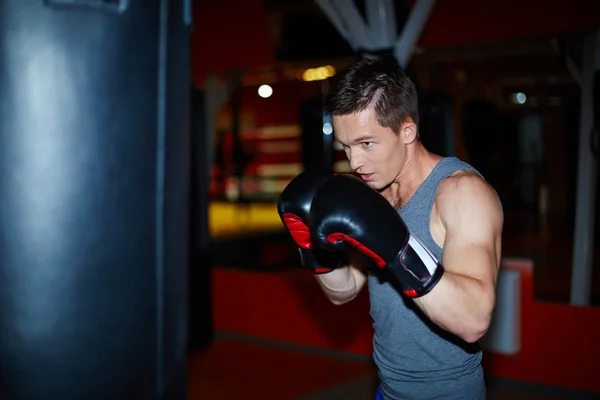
(363,139)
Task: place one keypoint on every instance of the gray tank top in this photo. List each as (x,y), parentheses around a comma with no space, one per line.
(416,359)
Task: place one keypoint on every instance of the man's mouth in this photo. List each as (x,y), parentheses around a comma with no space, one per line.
(366,177)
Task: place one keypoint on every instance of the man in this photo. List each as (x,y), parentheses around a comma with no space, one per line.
(435,258)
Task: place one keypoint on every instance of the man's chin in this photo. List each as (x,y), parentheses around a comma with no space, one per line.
(376,185)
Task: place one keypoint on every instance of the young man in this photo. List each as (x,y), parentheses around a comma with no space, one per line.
(426,332)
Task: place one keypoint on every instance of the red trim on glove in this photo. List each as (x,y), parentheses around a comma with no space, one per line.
(298,229)
(336,237)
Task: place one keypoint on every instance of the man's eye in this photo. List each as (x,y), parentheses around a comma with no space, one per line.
(367,144)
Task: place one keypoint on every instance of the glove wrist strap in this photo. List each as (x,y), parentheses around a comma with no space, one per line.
(416,269)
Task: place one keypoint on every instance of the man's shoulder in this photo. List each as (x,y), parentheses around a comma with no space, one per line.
(463,183)
(465,188)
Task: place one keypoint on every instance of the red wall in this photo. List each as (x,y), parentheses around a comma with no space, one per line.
(234,34)
(227,35)
(476,21)
(560,344)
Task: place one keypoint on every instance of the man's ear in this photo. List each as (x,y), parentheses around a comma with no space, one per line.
(409,132)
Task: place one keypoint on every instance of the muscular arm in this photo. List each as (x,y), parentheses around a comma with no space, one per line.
(345,282)
(463,300)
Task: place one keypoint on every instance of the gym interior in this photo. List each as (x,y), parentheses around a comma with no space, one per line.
(145,143)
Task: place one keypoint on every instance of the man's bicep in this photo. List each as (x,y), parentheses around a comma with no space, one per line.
(478,261)
(473,221)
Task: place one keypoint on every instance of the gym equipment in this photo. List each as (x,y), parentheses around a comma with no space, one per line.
(94,176)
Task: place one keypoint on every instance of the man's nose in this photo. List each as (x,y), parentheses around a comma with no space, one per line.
(355,160)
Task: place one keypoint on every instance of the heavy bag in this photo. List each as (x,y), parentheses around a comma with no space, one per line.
(94,183)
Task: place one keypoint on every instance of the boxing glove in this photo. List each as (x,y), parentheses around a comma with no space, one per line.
(347,212)
(293,207)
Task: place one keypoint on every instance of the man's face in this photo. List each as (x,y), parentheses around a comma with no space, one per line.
(375,153)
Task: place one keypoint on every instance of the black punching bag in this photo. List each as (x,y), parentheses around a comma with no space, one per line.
(94,183)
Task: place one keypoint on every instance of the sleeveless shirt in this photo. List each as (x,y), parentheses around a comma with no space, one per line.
(416,359)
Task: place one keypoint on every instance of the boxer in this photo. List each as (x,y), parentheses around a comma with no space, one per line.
(431,227)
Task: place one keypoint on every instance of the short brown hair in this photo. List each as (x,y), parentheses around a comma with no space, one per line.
(380,84)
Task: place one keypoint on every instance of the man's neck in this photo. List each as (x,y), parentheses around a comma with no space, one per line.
(419,165)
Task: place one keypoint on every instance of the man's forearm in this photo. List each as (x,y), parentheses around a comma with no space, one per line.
(339,285)
(342,284)
(461,305)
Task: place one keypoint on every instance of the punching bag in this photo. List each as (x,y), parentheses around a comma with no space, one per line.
(94,183)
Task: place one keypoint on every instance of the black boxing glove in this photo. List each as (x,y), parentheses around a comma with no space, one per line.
(347,212)
(293,207)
